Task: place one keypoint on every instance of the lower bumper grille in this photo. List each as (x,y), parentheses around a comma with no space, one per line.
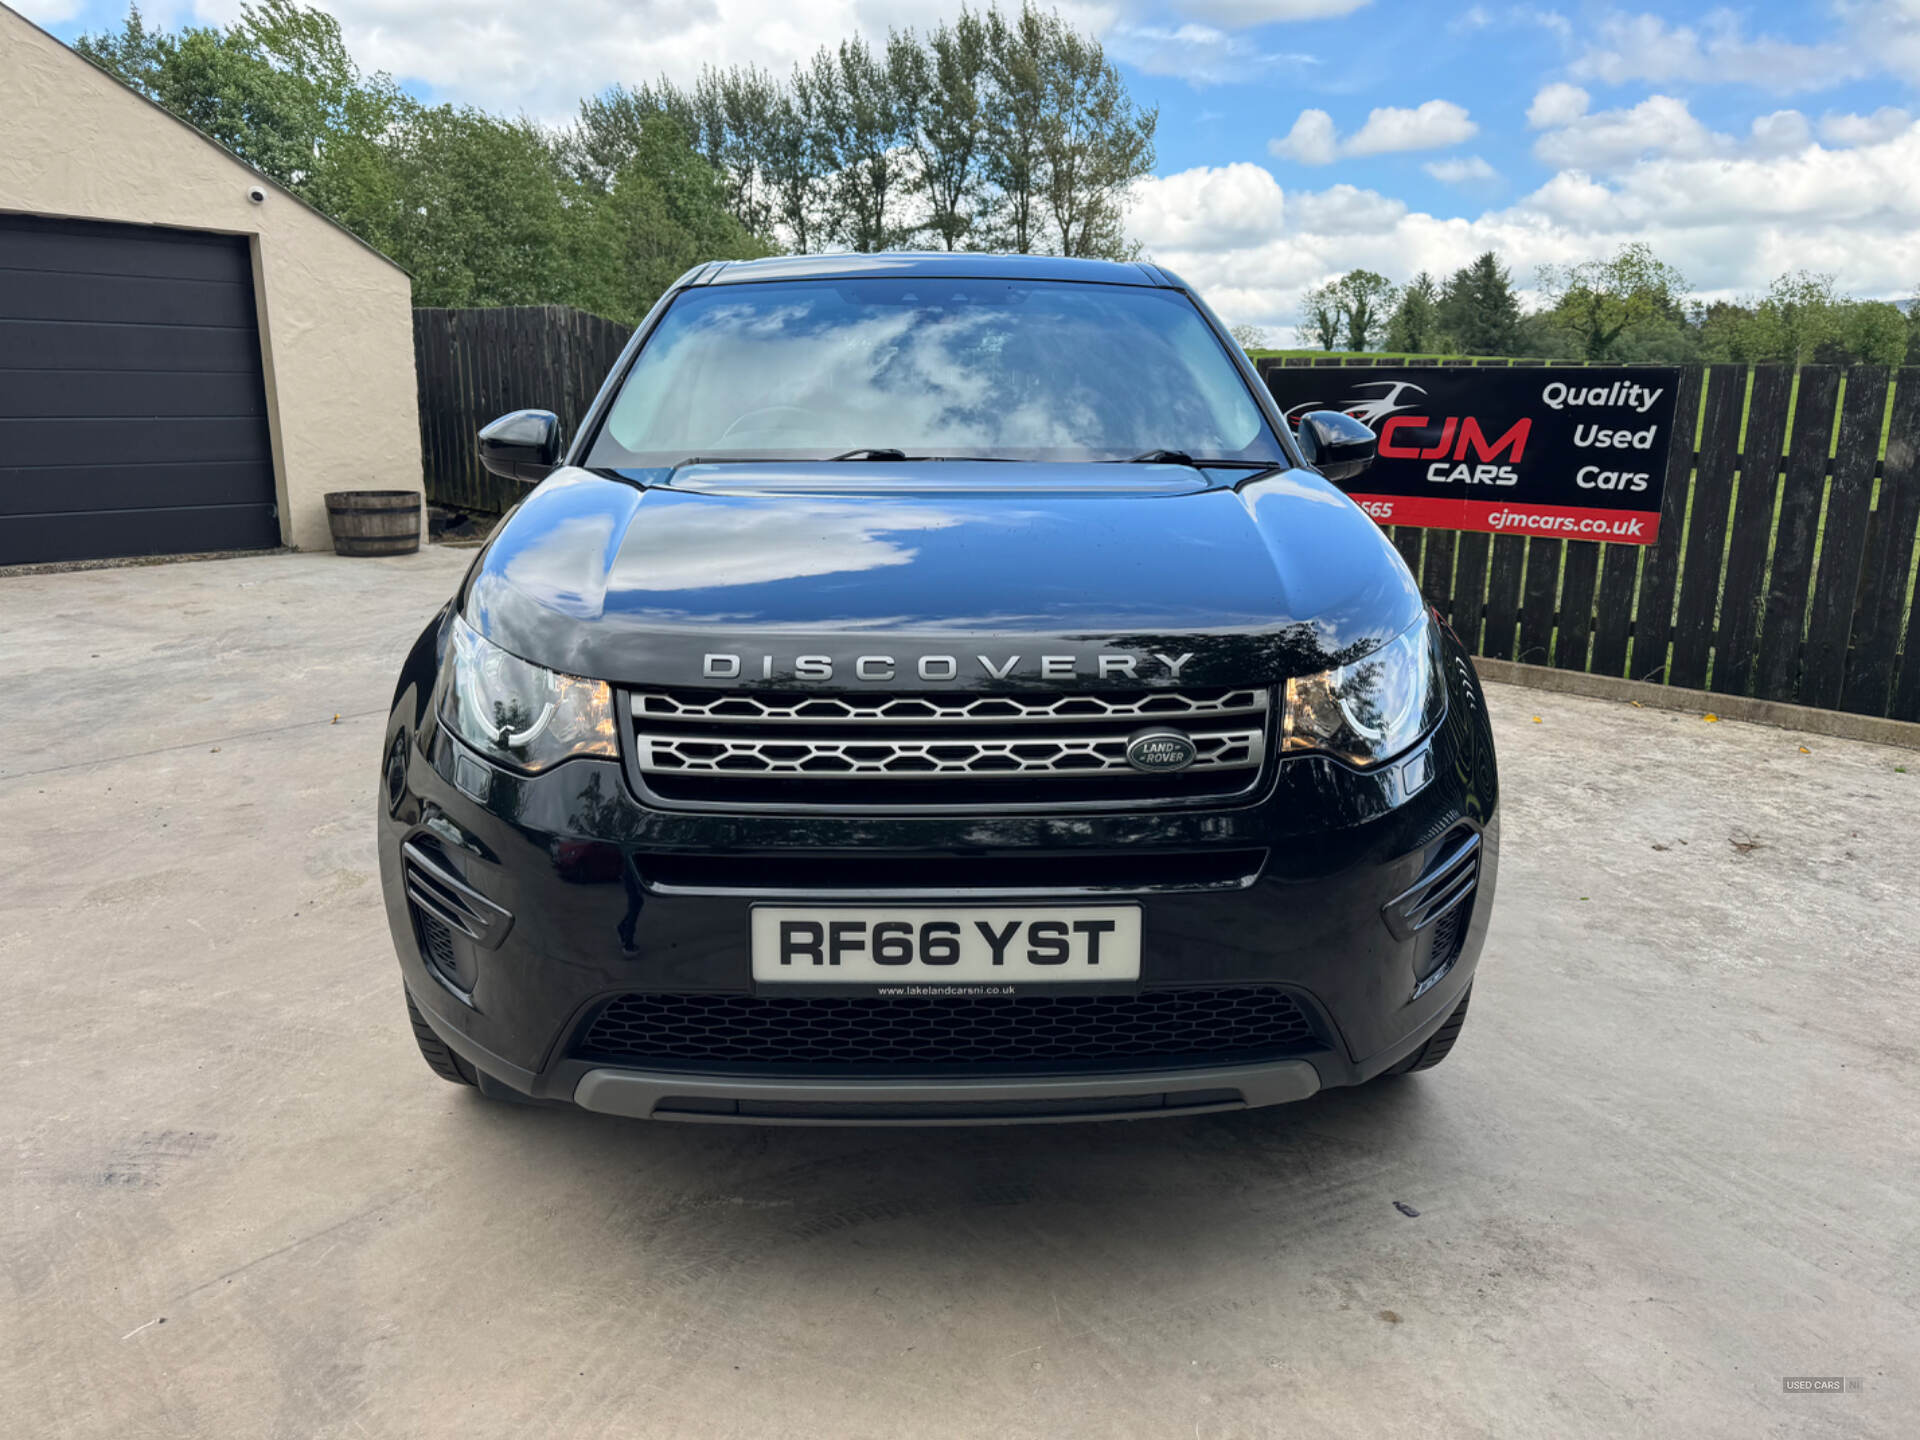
(921,1033)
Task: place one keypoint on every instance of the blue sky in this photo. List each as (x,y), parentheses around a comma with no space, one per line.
(1299,138)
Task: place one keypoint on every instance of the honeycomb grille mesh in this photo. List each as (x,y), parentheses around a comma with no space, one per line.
(915,759)
(738,747)
(1007,1032)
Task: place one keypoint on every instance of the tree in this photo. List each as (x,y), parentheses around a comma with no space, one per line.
(1414,327)
(277,87)
(1598,301)
(1007,131)
(1364,300)
(865,105)
(1093,145)
(951,137)
(1016,110)
(1321,316)
(1871,332)
(607,134)
(481,214)
(1248,337)
(1799,314)
(1478,311)
(666,211)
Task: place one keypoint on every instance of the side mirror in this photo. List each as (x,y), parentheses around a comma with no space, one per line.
(1337,445)
(522,446)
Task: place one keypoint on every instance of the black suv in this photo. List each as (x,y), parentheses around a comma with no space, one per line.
(934,688)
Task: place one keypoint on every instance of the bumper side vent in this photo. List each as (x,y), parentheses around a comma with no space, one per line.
(436,945)
(444,898)
(1447,885)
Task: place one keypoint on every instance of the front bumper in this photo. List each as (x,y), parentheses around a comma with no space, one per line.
(1033,1099)
(585,894)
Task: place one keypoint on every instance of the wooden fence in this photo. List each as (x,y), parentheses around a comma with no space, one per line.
(475,365)
(1792,580)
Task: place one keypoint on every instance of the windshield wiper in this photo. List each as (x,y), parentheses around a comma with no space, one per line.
(873,452)
(1181,457)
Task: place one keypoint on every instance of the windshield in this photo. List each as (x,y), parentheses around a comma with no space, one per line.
(932,368)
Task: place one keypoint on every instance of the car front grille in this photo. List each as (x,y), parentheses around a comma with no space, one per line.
(918,1034)
(726,748)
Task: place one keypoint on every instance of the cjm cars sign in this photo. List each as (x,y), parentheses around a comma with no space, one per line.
(1578,453)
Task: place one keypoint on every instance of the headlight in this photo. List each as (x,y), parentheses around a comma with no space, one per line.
(1373,709)
(517,713)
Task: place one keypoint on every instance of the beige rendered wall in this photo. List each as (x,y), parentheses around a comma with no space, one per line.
(336,319)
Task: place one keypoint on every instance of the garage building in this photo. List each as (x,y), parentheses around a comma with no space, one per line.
(190,357)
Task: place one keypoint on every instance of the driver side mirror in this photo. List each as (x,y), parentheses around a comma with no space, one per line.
(1336,445)
(522,446)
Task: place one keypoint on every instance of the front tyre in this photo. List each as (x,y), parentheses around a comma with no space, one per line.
(1439,1043)
(442,1061)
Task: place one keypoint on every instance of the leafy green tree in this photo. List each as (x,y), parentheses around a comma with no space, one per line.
(1599,301)
(1799,315)
(1478,311)
(1364,300)
(951,138)
(665,211)
(1248,337)
(1321,315)
(1871,332)
(1414,327)
(1094,145)
(277,87)
(1006,131)
(607,134)
(866,105)
(1016,112)
(482,210)
(1537,337)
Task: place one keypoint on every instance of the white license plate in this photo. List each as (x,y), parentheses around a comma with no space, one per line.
(951,945)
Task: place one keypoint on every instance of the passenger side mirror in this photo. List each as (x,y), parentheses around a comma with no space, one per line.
(1336,445)
(522,446)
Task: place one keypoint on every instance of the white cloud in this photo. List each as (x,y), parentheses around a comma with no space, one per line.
(1311,141)
(1780,132)
(1431,126)
(1883,124)
(1216,208)
(1462,170)
(1347,210)
(1557,104)
(1731,220)
(1199,54)
(1649,49)
(1388,130)
(1658,125)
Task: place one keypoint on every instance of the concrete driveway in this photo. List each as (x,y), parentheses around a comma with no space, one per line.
(1673,1160)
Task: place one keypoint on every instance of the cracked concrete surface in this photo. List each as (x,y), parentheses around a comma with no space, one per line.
(1673,1159)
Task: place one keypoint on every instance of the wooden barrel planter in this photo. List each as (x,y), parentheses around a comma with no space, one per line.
(374,522)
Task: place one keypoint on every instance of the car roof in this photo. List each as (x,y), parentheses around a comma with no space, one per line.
(951,264)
